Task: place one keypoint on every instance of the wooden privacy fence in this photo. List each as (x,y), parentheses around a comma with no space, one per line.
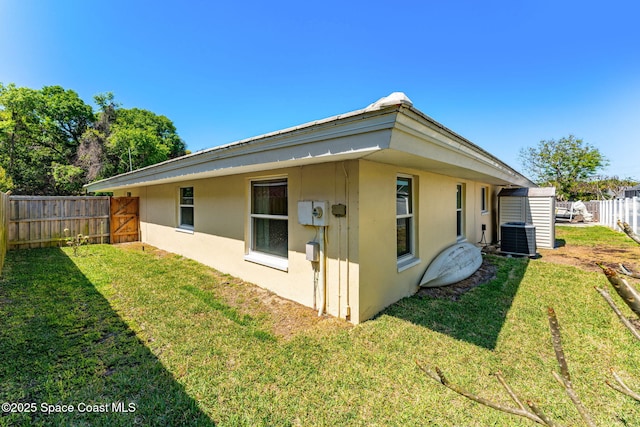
(40,221)
(4,225)
(593,207)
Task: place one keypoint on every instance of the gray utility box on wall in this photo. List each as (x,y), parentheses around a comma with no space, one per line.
(518,238)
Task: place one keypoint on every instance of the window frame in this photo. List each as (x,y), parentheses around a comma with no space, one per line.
(185,226)
(484,200)
(408,259)
(256,256)
(460,217)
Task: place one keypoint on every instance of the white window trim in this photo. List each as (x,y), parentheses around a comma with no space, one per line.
(484,196)
(184,230)
(269,260)
(409,260)
(272,261)
(460,237)
(405,262)
(185,227)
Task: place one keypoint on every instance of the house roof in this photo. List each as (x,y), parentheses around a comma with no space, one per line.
(390,131)
(528,192)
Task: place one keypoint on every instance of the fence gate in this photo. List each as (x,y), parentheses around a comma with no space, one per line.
(124,219)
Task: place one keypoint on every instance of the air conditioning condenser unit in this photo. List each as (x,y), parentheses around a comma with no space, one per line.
(518,238)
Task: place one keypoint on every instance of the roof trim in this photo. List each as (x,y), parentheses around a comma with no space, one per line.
(346,136)
(528,192)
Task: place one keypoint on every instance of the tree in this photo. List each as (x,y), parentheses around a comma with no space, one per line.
(40,130)
(52,142)
(121,139)
(6,183)
(602,187)
(562,163)
(19,126)
(146,137)
(91,154)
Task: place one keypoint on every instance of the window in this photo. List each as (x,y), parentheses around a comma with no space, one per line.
(460,211)
(269,223)
(404,216)
(484,199)
(186,208)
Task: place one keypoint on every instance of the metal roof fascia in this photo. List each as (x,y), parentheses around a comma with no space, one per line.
(357,122)
(478,153)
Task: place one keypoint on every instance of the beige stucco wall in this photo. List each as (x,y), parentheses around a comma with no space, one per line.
(381,284)
(221,230)
(361,271)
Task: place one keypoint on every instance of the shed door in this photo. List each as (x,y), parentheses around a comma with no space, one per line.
(124,219)
(543,217)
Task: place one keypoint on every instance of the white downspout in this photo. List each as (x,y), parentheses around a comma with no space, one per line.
(347,315)
(322,278)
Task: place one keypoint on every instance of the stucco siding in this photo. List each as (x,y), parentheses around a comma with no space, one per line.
(220,237)
(476,216)
(362,272)
(381,282)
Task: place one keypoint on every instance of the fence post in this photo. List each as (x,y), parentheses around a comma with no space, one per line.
(626,210)
(601,219)
(620,212)
(634,204)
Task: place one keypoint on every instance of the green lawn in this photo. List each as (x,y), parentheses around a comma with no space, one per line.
(159,333)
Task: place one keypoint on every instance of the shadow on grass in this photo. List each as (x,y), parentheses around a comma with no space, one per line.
(62,344)
(478,316)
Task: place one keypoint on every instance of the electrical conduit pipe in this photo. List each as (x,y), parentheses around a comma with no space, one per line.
(322,279)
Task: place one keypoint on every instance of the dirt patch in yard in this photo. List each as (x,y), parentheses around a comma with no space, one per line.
(284,318)
(139,246)
(587,258)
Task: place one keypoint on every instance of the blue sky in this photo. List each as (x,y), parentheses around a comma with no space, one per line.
(504,74)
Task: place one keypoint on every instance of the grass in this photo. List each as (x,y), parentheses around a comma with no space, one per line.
(593,236)
(162,333)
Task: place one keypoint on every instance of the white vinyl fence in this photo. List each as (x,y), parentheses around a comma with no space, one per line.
(626,210)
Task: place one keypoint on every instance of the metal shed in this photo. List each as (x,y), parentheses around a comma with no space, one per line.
(535,206)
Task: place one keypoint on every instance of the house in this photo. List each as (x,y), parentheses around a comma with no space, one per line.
(342,214)
(631,192)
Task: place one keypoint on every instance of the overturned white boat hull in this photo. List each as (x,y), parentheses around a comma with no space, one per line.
(452,265)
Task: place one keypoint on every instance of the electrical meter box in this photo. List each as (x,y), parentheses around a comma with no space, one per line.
(313,213)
